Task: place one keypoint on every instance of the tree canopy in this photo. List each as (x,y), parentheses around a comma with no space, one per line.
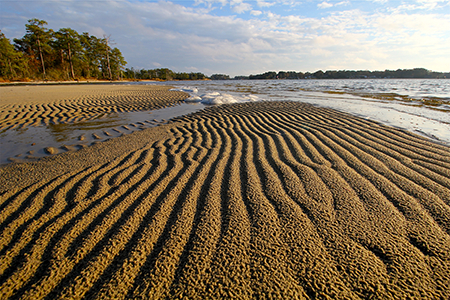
(161,74)
(65,54)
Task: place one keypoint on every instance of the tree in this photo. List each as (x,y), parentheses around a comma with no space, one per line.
(267,75)
(36,41)
(10,59)
(117,64)
(130,73)
(165,74)
(92,56)
(106,42)
(319,74)
(220,77)
(59,55)
(68,43)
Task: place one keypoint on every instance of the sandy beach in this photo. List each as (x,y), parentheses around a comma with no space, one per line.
(257,200)
(44,104)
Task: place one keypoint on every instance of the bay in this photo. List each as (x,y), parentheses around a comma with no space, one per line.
(421,106)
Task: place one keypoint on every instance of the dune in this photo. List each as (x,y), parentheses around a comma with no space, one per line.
(253,200)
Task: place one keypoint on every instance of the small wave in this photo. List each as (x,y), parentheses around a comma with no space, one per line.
(215,98)
(193,99)
(186,89)
(220,98)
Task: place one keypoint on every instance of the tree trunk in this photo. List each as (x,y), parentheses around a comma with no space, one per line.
(10,68)
(41,56)
(107,59)
(62,57)
(70,62)
(109,66)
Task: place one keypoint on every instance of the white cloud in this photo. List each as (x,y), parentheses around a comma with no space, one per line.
(209,3)
(256,12)
(342,3)
(324,5)
(240,7)
(420,5)
(262,3)
(399,24)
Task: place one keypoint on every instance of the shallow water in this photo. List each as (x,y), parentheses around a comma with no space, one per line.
(30,142)
(421,106)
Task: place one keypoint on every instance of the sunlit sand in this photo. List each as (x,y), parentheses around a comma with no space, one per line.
(250,200)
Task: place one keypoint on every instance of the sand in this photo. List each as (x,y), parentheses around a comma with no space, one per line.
(256,200)
(36,105)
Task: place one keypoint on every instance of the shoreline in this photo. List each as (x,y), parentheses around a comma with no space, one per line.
(58,118)
(71,82)
(237,201)
(87,81)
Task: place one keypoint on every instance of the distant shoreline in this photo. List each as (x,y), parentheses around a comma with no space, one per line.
(72,82)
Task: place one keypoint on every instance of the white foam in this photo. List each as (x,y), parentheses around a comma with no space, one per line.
(186,89)
(214,98)
(218,98)
(251,98)
(193,99)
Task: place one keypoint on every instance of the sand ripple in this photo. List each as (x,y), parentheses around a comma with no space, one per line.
(37,105)
(256,200)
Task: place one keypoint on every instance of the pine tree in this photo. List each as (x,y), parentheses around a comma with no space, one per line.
(36,42)
(11,61)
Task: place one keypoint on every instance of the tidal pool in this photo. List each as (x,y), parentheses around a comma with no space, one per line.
(33,142)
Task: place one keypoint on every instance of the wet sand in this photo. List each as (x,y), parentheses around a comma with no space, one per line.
(39,120)
(255,200)
(36,105)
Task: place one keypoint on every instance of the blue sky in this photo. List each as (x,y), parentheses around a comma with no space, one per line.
(239,37)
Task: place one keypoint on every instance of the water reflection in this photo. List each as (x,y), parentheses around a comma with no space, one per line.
(29,142)
(67,131)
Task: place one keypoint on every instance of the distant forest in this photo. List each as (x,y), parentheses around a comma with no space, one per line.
(45,54)
(344,74)
(161,74)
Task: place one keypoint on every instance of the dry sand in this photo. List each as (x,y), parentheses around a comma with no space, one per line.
(258,200)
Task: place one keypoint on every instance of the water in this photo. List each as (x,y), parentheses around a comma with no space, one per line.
(415,89)
(418,105)
(30,142)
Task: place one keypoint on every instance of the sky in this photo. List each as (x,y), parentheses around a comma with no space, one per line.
(240,37)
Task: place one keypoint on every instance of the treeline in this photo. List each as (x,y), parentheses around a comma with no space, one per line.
(161,74)
(219,77)
(399,73)
(345,74)
(45,54)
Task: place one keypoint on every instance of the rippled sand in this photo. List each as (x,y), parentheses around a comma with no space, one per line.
(36,105)
(256,200)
